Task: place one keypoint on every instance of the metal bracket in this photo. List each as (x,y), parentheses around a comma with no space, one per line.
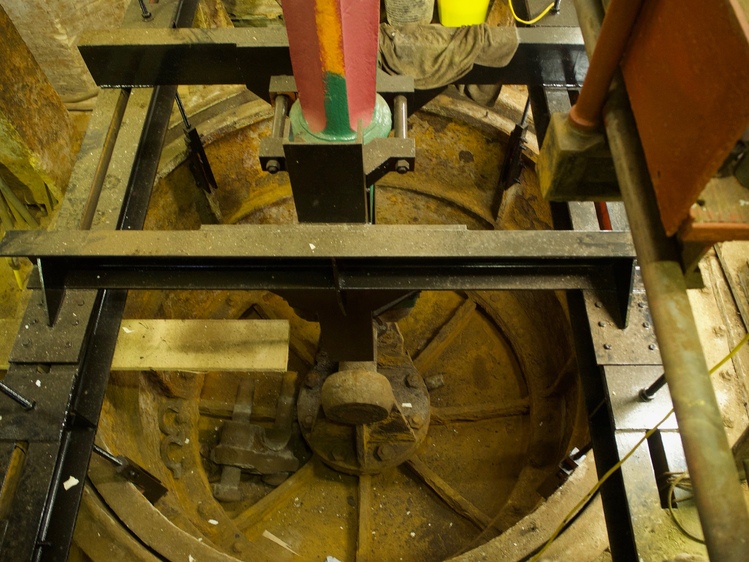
(38,342)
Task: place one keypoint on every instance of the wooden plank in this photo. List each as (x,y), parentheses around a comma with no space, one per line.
(479,412)
(445,336)
(448,494)
(364,540)
(202,345)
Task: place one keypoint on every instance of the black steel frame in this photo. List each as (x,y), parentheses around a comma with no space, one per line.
(86,265)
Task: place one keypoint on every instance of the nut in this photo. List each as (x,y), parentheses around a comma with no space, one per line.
(417,421)
(413,380)
(385,452)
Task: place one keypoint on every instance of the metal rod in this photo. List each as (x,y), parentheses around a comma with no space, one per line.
(646,394)
(526,113)
(614,35)
(400,128)
(107,455)
(182,112)
(400,117)
(720,501)
(10,393)
(557,6)
(144,11)
(280,111)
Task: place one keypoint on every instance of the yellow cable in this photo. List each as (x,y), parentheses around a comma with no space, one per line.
(534,20)
(618,465)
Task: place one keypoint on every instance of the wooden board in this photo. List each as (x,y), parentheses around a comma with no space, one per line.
(202,345)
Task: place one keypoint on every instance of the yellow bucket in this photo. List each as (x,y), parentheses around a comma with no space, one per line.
(454,13)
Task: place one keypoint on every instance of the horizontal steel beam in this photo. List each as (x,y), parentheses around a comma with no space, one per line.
(312,241)
(121,58)
(325,257)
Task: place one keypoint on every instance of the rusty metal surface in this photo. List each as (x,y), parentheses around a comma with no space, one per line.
(687,74)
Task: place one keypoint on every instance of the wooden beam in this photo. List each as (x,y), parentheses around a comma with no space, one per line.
(202,345)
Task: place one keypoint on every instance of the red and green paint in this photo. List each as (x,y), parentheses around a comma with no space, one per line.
(334,49)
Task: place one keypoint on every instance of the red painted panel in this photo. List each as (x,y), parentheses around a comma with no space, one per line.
(687,74)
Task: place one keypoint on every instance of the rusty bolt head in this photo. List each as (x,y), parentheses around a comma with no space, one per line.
(652,347)
(413,380)
(312,379)
(417,421)
(646,325)
(385,452)
(607,346)
(602,324)
(599,304)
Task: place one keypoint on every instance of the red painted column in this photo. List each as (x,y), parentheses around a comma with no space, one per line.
(334,46)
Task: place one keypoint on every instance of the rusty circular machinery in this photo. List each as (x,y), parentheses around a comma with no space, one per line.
(485,381)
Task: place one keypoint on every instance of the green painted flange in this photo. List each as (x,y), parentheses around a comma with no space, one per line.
(382,123)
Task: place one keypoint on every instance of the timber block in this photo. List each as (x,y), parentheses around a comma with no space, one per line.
(35,129)
(575,166)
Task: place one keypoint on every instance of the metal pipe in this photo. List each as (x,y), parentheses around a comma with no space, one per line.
(718,495)
(621,15)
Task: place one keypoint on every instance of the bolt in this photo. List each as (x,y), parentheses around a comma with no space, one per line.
(607,346)
(599,304)
(76,322)
(385,452)
(34,321)
(312,379)
(26,343)
(652,347)
(602,324)
(80,302)
(144,11)
(205,509)
(413,380)
(402,166)
(238,547)
(68,344)
(273,166)
(641,305)
(417,421)
(646,325)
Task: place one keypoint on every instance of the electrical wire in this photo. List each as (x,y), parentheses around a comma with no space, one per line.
(680,480)
(618,465)
(538,18)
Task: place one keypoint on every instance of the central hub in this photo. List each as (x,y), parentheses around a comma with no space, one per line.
(357,397)
(360,420)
